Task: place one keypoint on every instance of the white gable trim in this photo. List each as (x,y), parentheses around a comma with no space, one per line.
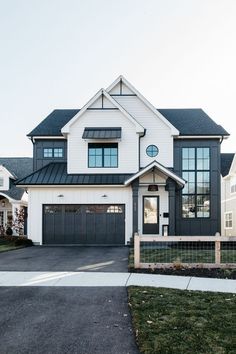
(233,166)
(174,131)
(66,129)
(6,172)
(163,169)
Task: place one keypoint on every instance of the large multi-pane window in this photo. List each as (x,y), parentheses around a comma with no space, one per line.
(196,193)
(103,155)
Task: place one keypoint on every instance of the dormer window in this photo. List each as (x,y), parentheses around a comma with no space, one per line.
(102,155)
(53,152)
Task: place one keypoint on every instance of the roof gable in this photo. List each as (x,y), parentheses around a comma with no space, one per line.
(102,93)
(131,90)
(226,163)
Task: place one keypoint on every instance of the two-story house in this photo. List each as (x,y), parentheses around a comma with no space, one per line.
(228,194)
(11,197)
(119,166)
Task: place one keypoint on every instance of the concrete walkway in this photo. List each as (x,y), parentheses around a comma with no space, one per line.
(99,279)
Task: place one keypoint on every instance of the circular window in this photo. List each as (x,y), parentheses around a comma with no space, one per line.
(152,150)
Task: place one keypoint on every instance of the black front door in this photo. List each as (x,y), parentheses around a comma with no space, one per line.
(150,215)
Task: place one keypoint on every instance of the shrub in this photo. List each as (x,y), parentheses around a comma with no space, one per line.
(18,240)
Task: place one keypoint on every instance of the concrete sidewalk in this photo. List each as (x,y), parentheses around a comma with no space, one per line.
(99,279)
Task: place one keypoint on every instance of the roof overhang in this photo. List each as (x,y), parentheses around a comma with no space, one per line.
(7,172)
(180,181)
(102,133)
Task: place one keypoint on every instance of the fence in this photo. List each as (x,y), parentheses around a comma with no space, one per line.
(184,251)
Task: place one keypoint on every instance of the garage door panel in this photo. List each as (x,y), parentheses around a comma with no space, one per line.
(92,224)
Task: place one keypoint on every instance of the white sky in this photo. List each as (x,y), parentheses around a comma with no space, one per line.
(59,53)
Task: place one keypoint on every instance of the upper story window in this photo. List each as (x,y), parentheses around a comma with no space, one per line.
(53,152)
(103,155)
(196,193)
(233,185)
(1,181)
(152,150)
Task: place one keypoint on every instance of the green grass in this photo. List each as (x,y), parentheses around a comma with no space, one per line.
(168,321)
(174,255)
(7,246)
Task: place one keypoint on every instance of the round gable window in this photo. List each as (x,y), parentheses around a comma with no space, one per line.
(152,150)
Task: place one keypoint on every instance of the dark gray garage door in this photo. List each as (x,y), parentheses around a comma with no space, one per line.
(90,224)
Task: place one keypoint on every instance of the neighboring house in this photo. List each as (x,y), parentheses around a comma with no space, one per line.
(120,166)
(11,197)
(228,194)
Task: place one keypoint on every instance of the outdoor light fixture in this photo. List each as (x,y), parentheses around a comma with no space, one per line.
(60,196)
(104,196)
(153,187)
(3,203)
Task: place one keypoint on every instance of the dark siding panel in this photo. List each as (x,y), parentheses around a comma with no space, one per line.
(39,145)
(200,226)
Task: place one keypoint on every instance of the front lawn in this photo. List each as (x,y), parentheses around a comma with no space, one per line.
(8,243)
(169,321)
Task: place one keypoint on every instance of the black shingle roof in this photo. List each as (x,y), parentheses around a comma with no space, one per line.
(102,133)
(56,173)
(52,124)
(187,121)
(192,122)
(18,167)
(226,161)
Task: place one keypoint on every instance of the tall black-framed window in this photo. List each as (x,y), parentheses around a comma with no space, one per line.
(196,193)
(103,155)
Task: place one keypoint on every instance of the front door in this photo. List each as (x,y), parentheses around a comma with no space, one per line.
(150,215)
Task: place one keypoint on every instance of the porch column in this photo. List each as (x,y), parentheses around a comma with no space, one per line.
(135,187)
(170,187)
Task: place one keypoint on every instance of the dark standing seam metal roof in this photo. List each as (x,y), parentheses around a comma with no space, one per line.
(102,133)
(187,121)
(226,162)
(18,167)
(56,173)
(192,122)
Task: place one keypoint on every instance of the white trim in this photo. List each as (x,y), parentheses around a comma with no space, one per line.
(227,200)
(174,131)
(9,198)
(5,170)
(225,227)
(202,137)
(163,169)
(66,129)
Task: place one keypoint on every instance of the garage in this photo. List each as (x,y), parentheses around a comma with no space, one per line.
(84,224)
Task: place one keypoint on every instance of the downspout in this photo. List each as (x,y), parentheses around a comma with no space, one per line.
(139,157)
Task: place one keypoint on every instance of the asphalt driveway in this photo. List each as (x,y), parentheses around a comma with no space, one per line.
(59,258)
(65,320)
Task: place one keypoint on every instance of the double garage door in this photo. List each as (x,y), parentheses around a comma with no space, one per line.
(84,224)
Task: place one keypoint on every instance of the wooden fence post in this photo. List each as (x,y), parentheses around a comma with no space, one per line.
(217,251)
(136,250)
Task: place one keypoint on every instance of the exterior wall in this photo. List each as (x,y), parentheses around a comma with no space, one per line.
(6,179)
(38,159)
(228,204)
(40,196)
(127,146)
(200,226)
(157,132)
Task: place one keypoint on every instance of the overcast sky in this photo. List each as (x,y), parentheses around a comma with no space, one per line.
(59,53)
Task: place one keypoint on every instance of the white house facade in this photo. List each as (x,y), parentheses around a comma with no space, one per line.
(119,166)
(228,192)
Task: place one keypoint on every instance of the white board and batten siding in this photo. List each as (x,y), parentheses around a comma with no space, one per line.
(157,132)
(40,196)
(128,159)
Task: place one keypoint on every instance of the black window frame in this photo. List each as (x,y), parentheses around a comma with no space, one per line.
(103,146)
(152,146)
(195,195)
